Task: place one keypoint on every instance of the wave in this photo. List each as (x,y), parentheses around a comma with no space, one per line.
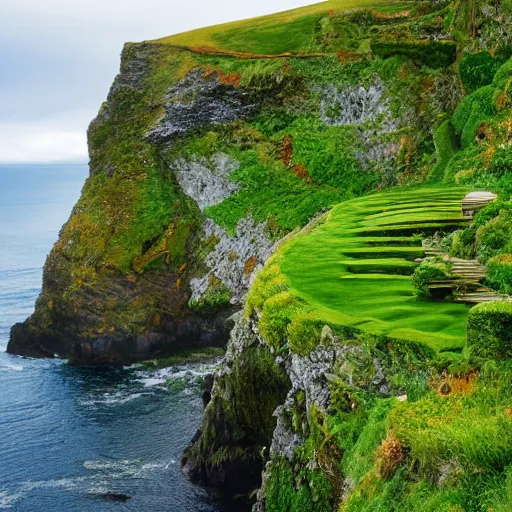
(191,374)
(6,367)
(95,484)
(116,398)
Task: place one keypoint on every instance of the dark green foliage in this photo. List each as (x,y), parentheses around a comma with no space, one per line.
(432,54)
(463,244)
(495,237)
(477,70)
(490,330)
(310,492)
(499,273)
(428,272)
(501,163)
(446,146)
(472,112)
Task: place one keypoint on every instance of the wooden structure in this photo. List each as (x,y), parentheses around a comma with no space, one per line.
(475,201)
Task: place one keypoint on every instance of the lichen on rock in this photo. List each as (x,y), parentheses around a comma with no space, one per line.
(234,259)
(206,182)
(200,100)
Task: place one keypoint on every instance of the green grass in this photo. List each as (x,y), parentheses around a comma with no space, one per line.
(342,277)
(287,31)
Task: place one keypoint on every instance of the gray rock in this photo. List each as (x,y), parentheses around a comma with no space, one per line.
(206,182)
(327,336)
(234,258)
(368,111)
(355,105)
(200,100)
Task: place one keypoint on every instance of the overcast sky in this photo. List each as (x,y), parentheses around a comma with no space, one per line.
(59,57)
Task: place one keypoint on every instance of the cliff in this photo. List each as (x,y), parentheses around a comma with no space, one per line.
(298,179)
(205,154)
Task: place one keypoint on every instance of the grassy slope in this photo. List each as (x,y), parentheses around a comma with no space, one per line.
(348,278)
(288,31)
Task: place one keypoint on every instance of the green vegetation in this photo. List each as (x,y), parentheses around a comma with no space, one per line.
(499,273)
(271,32)
(350,97)
(354,268)
(447,451)
(490,330)
(478,69)
(427,272)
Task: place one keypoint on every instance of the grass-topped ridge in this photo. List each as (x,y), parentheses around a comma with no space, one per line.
(337,275)
(287,32)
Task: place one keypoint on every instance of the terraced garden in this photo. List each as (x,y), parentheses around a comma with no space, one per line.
(354,268)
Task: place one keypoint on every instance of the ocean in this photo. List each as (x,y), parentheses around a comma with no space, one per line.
(71,438)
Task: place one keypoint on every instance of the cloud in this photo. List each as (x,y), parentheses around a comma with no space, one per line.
(45,141)
(58,59)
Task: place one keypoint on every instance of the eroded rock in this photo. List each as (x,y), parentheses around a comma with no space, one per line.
(200,100)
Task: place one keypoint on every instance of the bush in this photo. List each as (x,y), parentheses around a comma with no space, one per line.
(490,330)
(427,272)
(463,244)
(432,54)
(491,211)
(304,333)
(499,273)
(477,70)
(501,162)
(277,314)
(495,237)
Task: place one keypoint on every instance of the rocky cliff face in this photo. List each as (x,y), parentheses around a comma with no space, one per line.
(201,160)
(215,146)
(339,422)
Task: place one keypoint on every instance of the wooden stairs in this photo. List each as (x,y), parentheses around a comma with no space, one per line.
(466,275)
(466,281)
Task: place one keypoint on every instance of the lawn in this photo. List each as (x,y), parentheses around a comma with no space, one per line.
(354,268)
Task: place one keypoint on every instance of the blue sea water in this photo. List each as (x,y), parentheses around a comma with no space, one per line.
(69,436)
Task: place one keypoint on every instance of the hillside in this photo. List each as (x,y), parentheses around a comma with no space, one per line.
(296,186)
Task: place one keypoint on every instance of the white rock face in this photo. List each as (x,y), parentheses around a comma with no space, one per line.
(355,105)
(234,258)
(206,182)
(368,111)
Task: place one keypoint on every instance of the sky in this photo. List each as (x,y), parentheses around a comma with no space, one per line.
(59,57)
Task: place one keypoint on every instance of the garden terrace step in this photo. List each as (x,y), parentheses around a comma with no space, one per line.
(362,287)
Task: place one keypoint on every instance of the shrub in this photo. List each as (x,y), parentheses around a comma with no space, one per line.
(277,314)
(501,162)
(494,238)
(491,211)
(490,330)
(432,54)
(477,70)
(427,272)
(444,140)
(304,333)
(463,244)
(499,273)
